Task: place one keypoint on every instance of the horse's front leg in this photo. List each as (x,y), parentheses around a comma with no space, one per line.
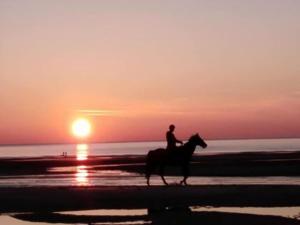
(149,170)
(161,173)
(186,173)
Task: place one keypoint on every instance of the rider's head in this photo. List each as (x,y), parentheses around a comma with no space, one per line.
(171,127)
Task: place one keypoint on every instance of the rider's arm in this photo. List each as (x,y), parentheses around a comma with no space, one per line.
(178,141)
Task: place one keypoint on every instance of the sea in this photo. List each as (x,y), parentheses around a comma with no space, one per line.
(141,148)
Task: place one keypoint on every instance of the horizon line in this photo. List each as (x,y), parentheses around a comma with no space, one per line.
(161,140)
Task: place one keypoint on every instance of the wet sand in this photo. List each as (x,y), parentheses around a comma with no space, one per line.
(49,199)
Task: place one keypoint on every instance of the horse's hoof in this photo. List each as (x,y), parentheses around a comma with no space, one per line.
(165,183)
(183,183)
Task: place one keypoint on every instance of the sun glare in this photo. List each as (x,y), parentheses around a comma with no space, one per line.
(81,128)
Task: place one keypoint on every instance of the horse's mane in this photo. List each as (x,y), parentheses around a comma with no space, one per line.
(192,137)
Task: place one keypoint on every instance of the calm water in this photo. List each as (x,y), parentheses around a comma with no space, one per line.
(141,148)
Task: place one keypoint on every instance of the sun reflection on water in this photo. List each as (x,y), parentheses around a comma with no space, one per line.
(82,175)
(82,151)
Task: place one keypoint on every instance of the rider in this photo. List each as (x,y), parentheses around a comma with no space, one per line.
(171,139)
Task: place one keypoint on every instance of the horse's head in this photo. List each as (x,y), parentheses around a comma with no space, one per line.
(197,140)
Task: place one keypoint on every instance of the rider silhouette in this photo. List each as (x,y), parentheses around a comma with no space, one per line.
(171,139)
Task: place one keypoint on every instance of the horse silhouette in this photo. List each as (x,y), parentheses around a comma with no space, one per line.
(180,157)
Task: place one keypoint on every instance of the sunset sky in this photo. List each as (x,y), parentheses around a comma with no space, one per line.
(224,68)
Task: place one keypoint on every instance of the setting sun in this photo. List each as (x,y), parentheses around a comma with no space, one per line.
(81,128)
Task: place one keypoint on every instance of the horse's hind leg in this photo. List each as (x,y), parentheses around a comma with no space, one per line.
(186,172)
(148,172)
(161,173)
(148,179)
(164,180)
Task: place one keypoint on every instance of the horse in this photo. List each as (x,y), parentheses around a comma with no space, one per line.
(181,156)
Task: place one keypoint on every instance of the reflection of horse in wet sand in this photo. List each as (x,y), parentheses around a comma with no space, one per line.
(180,157)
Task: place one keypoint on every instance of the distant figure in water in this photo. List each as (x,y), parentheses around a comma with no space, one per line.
(171,139)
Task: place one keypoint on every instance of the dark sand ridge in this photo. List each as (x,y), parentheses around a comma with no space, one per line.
(51,199)
(162,218)
(230,164)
